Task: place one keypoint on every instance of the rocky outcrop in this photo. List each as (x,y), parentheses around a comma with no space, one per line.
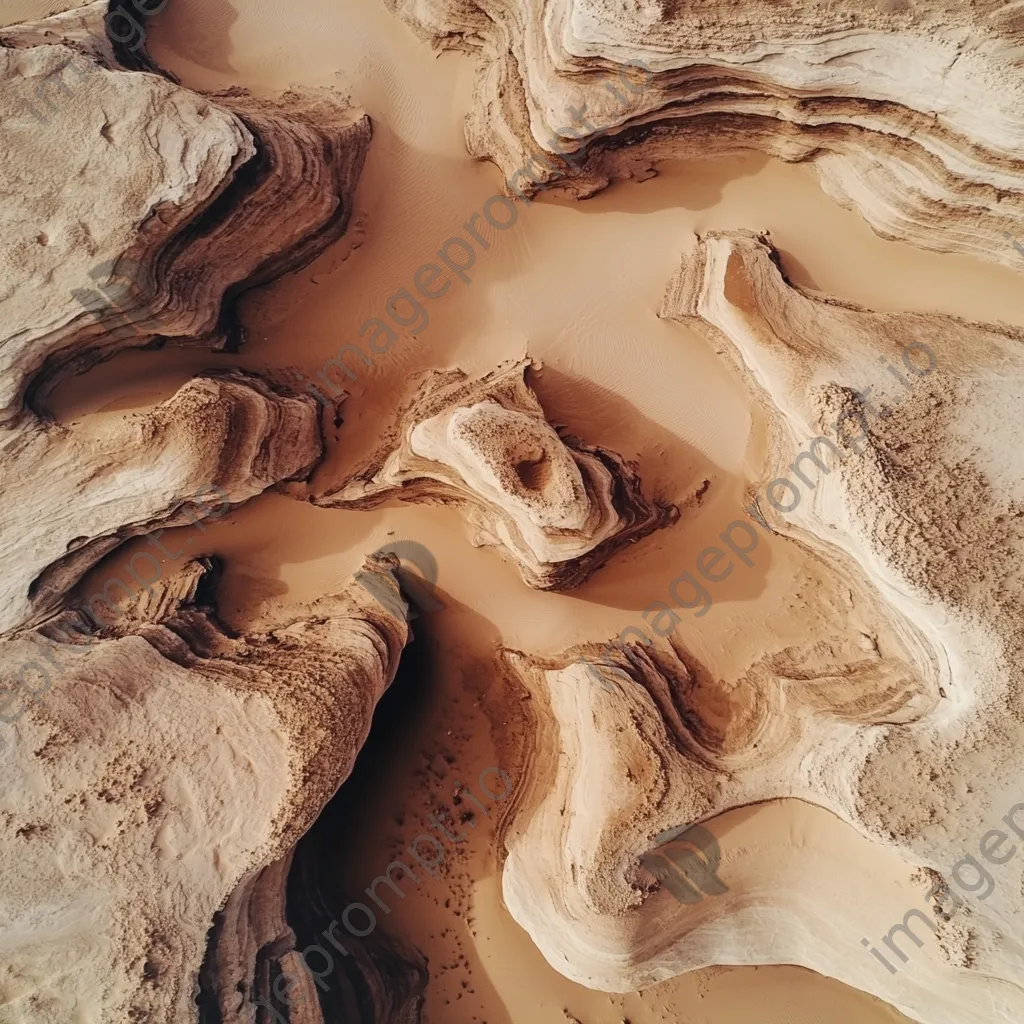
(156,768)
(558,507)
(910,113)
(180,203)
(903,719)
(74,494)
(166,766)
(278,918)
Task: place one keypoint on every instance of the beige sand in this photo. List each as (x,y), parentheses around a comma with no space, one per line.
(576,287)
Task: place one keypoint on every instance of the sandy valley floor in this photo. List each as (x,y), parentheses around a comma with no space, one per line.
(576,286)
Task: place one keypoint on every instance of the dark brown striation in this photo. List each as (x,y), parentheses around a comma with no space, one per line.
(158,241)
(913,116)
(559,507)
(221,439)
(182,763)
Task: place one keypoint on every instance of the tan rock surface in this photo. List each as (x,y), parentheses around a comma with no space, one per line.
(164,767)
(909,729)
(910,113)
(559,507)
(144,209)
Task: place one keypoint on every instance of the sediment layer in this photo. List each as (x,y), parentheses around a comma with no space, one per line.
(908,491)
(911,114)
(560,508)
(181,202)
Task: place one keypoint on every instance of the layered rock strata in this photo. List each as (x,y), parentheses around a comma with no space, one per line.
(560,508)
(284,935)
(155,767)
(911,114)
(171,764)
(904,719)
(180,203)
(73,494)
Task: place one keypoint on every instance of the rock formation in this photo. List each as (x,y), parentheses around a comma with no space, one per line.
(908,724)
(181,202)
(559,507)
(176,762)
(160,769)
(911,113)
(221,439)
(167,782)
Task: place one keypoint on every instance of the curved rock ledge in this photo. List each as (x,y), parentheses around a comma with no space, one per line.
(73,494)
(156,768)
(913,117)
(908,728)
(558,507)
(181,202)
(255,946)
(177,762)
(255,943)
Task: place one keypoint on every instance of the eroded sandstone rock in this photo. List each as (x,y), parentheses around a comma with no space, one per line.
(156,766)
(911,114)
(902,715)
(559,507)
(73,494)
(168,764)
(141,210)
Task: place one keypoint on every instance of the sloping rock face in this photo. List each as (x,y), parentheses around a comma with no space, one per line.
(178,203)
(911,113)
(164,767)
(71,495)
(138,211)
(156,769)
(277,939)
(909,727)
(560,508)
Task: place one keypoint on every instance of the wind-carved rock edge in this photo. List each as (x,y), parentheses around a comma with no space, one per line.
(178,760)
(912,117)
(559,507)
(912,740)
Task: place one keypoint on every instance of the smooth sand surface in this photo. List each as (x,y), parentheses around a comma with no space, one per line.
(16,11)
(575,286)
